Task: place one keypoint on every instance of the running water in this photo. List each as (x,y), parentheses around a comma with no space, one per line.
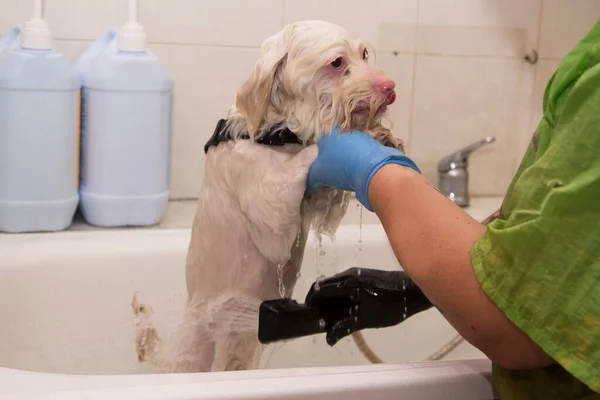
(319,226)
(236,314)
(318,282)
(405,301)
(360,227)
(318,244)
(296,245)
(280,280)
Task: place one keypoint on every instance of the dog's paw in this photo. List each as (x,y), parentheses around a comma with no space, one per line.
(386,138)
(301,162)
(140,311)
(396,143)
(146,338)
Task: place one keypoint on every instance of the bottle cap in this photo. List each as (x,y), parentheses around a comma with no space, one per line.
(36,35)
(132,37)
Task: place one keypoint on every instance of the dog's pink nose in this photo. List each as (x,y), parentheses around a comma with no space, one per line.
(386,85)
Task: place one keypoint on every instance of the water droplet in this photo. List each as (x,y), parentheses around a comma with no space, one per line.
(356,308)
(358,272)
(318,283)
(349,331)
(322,323)
(355,319)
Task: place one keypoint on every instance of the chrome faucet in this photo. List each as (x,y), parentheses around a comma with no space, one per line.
(454,174)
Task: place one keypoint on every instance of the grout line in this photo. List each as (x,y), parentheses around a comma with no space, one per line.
(395,52)
(532,99)
(182,199)
(411,113)
(72,40)
(386,52)
(474,56)
(229,46)
(540,23)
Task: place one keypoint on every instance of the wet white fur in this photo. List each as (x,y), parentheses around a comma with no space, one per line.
(252,216)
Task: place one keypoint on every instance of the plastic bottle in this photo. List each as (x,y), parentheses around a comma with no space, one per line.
(39,130)
(126,130)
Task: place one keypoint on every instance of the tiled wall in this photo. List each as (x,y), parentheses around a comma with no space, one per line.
(458,64)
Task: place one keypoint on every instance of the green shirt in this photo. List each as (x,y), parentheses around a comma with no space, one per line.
(539,259)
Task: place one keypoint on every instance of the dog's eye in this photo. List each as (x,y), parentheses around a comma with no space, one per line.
(365,54)
(337,63)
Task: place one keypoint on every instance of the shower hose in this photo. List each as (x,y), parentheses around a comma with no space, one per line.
(365,349)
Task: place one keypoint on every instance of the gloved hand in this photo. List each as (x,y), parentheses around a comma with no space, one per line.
(349,161)
(360,298)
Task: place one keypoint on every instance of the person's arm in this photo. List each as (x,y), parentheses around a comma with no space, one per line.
(432,238)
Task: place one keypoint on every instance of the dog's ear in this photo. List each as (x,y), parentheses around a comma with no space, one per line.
(254,96)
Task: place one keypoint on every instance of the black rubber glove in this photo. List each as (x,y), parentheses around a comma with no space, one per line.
(361,298)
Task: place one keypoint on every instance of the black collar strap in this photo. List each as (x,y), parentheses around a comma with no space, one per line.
(275,137)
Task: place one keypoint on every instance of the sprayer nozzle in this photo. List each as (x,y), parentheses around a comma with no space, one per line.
(36,34)
(286,319)
(132,36)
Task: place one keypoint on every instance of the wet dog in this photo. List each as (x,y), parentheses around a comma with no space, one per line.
(252,218)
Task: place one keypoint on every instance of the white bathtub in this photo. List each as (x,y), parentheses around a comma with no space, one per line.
(67,325)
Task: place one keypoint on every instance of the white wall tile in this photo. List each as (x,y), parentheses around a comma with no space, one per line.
(13,12)
(544,71)
(224,22)
(457,99)
(400,69)
(565,23)
(389,25)
(507,28)
(206,81)
(71,49)
(84,19)
(461,100)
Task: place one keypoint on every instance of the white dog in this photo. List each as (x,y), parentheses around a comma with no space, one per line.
(252,220)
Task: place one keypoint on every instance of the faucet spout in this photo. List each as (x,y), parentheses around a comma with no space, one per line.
(454,175)
(460,157)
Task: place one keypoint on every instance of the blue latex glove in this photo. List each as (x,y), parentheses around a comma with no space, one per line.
(349,161)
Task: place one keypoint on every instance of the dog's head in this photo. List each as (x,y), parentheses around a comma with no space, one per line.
(312,77)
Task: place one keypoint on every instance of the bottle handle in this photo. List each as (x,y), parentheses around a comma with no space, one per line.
(10,39)
(99,45)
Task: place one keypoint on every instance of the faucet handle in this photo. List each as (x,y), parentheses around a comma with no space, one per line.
(459,158)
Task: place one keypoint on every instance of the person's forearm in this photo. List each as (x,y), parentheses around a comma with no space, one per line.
(432,239)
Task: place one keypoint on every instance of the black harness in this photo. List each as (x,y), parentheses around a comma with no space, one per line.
(275,137)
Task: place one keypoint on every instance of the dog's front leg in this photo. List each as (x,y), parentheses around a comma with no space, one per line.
(272,207)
